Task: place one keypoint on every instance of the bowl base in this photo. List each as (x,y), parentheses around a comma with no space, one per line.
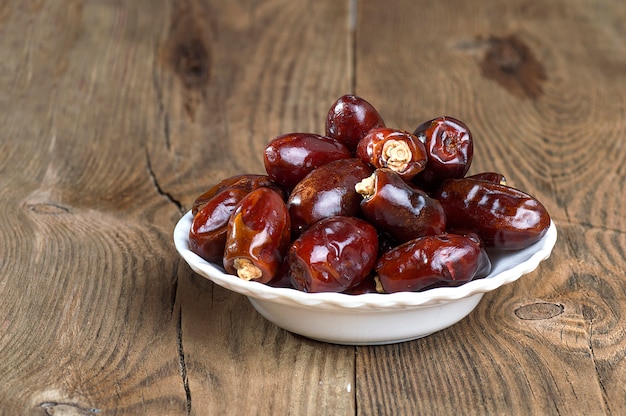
(366,327)
(366,343)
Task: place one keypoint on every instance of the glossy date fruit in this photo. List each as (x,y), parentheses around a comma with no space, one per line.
(503,217)
(290,157)
(207,235)
(367,285)
(246,182)
(258,236)
(364,208)
(394,207)
(450,149)
(333,255)
(493,177)
(350,118)
(432,261)
(281,279)
(394,149)
(326,191)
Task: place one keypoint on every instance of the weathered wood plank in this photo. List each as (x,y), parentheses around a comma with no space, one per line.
(115,116)
(87,266)
(527,80)
(230,77)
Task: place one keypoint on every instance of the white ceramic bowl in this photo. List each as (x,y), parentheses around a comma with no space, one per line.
(370,318)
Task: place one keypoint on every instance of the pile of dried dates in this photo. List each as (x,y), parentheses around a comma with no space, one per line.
(365,208)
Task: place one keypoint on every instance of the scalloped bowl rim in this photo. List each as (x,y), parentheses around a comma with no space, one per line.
(507,268)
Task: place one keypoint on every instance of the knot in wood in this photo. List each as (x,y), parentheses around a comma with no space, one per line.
(539,311)
(510,62)
(49,208)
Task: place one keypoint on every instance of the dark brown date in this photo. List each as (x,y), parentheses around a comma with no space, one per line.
(350,118)
(394,149)
(432,261)
(450,148)
(367,285)
(325,192)
(333,255)
(281,279)
(248,182)
(493,177)
(207,235)
(258,236)
(396,208)
(290,157)
(503,217)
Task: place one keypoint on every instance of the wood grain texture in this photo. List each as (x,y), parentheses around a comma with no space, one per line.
(88,279)
(115,115)
(545,112)
(260,72)
(230,77)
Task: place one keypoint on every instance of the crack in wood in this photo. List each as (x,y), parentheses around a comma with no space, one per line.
(174,286)
(158,187)
(589,316)
(181,358)
(48,208)
(158,89)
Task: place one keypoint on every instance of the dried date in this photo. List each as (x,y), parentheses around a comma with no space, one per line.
(493,177)
(207,235)
(333,255)
(247,182)
(290,157)
(440,260)
(450,149)
(258,236)
(503,217)
(395,208)
(394,149)
(327,191)
(350,118)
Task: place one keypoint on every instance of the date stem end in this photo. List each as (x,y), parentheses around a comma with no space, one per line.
(246,270)
(367,186)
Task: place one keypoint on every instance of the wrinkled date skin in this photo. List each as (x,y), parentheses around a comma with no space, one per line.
(493,177)
(432,261)
(290,157)
(247,182)
(281,279)
(327,191)
(394,207)
(367,285)
(450,149)
(258,236)
(363,208)
(350,118)
(504,218)
(207,235)
(394,149)
(335,254)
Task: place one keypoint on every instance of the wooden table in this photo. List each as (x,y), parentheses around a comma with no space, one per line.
(115,115)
